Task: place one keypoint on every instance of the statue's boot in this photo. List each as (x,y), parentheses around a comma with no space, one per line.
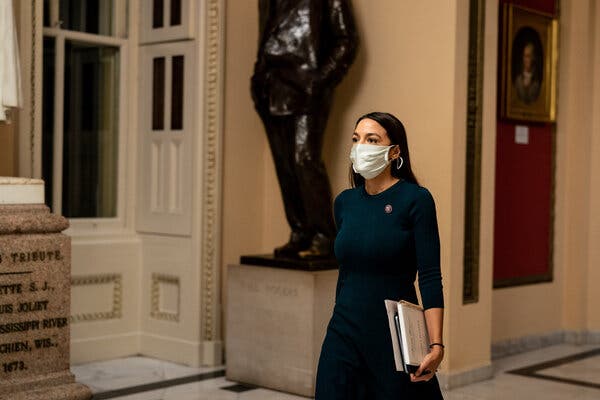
(298,241)
(321,246)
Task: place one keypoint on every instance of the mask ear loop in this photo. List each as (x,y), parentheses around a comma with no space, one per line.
(399,162)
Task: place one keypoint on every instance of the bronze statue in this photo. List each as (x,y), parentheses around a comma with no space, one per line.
(305,49)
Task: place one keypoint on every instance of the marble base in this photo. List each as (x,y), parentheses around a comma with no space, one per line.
(582,337)
(212,352)
(454,380)
(276,323)
(522,344)
(519,345)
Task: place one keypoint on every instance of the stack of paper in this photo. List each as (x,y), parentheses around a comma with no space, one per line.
(410,340)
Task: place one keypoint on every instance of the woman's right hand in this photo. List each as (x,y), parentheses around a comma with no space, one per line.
(430,363)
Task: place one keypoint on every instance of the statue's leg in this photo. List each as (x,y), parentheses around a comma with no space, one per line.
(281,141)
(312,177)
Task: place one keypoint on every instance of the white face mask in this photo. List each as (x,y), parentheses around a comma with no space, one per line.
(369,160)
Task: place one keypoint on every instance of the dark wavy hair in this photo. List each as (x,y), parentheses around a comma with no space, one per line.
(397,134)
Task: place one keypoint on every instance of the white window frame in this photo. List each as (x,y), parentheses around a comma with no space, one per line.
(90,226)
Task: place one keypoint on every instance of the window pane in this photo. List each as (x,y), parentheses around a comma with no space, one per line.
(175,12)
(90,150)
(48,116)
(158,94)
(157,14)
(47,13)
(91,16)
(177,94)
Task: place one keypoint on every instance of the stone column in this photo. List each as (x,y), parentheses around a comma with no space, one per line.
(35,293)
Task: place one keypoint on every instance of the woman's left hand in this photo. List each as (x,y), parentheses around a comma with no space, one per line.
(430,363)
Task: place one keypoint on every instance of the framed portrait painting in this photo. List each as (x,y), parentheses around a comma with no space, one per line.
(529,58)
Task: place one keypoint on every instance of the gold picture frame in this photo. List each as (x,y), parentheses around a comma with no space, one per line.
(529,63)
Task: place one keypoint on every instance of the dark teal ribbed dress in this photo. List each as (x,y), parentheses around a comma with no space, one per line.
(382,241)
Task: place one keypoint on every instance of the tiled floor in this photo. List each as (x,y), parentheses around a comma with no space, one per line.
(587,370)
(139,378)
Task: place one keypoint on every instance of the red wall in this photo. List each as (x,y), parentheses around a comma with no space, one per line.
(523,206)
(547,6)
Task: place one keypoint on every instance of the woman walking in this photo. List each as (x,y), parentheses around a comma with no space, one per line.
(386,233)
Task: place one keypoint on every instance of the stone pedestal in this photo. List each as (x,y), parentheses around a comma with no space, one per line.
(276,323)
(35,261)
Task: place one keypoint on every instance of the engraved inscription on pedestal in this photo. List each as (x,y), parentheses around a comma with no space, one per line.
(35,263)
(34,324)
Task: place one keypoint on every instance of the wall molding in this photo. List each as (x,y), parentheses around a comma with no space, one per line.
(474,129)
(155,311)
(211,191)
(101,279)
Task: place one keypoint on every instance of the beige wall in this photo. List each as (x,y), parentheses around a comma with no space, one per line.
(8,149)
(573,161)
(580,148)
(472,346)
(243,142)
(593,294)
(526,310)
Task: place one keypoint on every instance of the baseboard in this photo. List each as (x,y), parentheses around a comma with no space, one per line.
(583,337)
(104,347)
(193,354)
(212,353)
(451,380)
(512,346)
(508,347)
(593,337)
